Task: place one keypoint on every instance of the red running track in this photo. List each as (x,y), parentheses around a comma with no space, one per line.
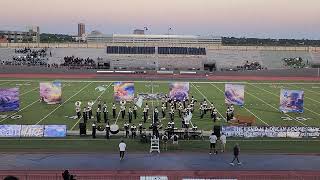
(135,175)
(152,76)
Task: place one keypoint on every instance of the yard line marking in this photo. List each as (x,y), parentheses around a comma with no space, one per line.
(278,96)
(29,91)
(208,100)
(244,107)
(20,110)
(62,104)
(5,83)
(273,106)
(93,103)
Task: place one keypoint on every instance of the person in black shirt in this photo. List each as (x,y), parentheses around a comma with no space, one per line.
(114,108)
(236,152)
(85,115)
(126,128)
(108,131)
(135,108)
(105,113)
(130,115)
(98,114)
(94,129)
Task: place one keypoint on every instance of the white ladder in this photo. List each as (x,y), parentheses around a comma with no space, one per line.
(155,145)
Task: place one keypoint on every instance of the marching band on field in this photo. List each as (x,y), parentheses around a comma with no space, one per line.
(184,109)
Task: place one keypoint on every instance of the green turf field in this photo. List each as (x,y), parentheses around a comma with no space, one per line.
(261,101)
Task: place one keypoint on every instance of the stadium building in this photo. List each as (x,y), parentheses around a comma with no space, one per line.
(173,40)
(156,52)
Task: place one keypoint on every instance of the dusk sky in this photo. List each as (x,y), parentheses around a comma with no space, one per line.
(239,18)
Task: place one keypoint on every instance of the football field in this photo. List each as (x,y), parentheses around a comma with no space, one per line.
(261,102)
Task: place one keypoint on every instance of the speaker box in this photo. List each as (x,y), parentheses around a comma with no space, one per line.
(83,128)
(217,130)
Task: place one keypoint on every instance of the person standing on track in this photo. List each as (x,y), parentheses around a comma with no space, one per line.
(122,149)
(236,152)
(223,140)
(213,139)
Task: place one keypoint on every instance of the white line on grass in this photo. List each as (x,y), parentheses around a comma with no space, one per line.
(62,104)
(93,103)
(244,107)
(19,110)
(208,100)
(29,91)
(278,96)
(273,107)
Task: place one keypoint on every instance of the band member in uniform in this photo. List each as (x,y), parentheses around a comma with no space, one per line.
(232,111)
(175,103)
(107,130)
(140,128)
(155,114)
(180,108)
(172,114)
(98,115)
(114,109)
(201,111)
(147,108)
(105,113)
(145,114)
(228,114)
(123,111)
(99,104)
(205,106)
(130,114)
(78,111)
(214,114)
(135,108)
(85,115)
(90,104)
(126,128)
(94,129)
(163,110)
(133,131)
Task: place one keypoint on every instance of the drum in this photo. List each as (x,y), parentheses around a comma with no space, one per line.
(114,129)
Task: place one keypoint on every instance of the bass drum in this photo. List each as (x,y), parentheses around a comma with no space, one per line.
(114,129)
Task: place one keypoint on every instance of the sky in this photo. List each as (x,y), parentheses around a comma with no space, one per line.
(239,18)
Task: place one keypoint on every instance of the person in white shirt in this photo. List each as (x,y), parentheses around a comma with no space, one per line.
(223,140)
(122,149)
(213,139)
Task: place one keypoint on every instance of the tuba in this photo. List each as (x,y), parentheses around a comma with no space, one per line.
(90,103)
(78,103)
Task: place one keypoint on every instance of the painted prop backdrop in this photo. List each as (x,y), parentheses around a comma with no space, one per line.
(9,99)
(291,101)
(51,93)
(179,90)
(234,94)
(123,91)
